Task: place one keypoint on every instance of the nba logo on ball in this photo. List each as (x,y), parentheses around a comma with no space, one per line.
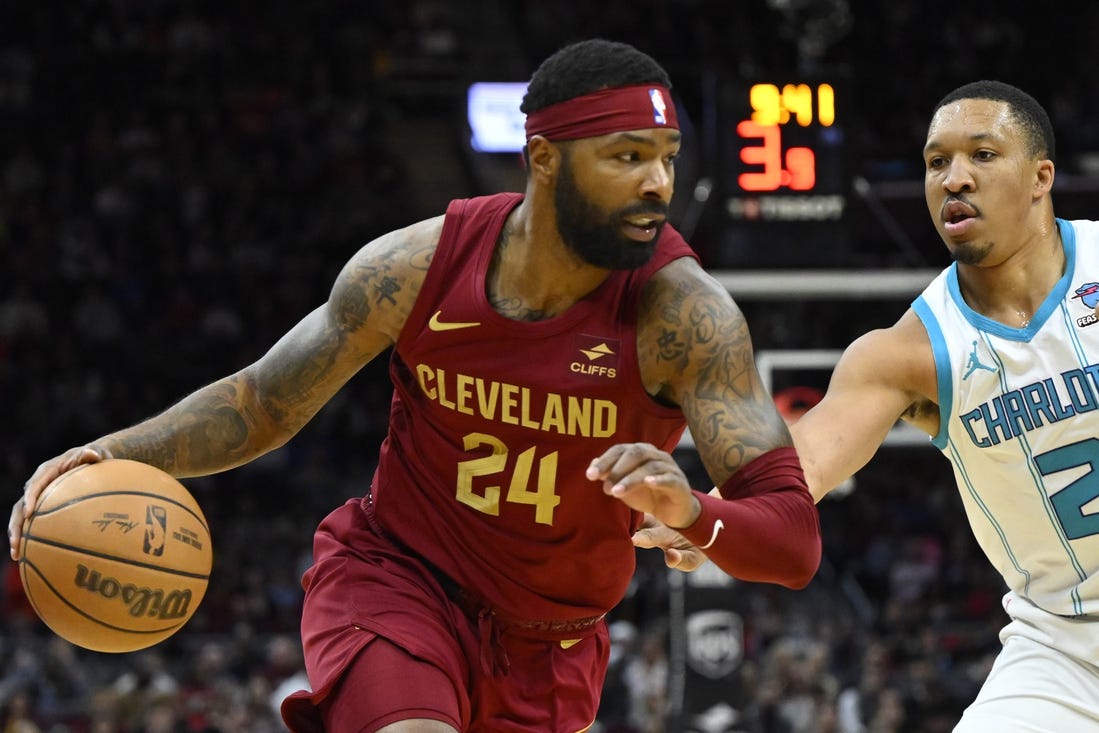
(156,522)
(116,557)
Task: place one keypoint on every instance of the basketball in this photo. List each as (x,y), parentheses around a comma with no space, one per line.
(116,556)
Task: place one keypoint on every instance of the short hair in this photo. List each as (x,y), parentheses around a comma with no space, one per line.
(1024,108)
(588,66)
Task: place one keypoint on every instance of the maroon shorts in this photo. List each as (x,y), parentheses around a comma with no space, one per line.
(435,659)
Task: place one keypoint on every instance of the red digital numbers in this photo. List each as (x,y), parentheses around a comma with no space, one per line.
(798,174)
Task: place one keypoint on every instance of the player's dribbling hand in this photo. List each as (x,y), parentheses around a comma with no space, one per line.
(647,480)
(679,553)
(42,477)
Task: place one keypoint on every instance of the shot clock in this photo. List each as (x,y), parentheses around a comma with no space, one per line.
(783,181)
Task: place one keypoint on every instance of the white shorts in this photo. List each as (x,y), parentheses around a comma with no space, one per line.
(1046,678)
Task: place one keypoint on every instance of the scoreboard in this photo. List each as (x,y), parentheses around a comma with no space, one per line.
(784,182)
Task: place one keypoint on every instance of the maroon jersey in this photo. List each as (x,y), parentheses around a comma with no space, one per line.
(494,421)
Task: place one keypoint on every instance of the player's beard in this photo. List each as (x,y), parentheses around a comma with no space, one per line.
(596,236)
(970,253)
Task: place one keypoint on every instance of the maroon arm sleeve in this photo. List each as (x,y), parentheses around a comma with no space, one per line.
(765,526)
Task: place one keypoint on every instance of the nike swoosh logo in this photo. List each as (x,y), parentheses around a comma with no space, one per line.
(718,526)
(436,325)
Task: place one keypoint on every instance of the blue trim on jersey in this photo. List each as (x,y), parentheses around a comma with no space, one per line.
(944,379)
(1068,239)
(1049,305)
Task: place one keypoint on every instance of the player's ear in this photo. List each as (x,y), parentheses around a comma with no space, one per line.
(1043,181)
(544,159)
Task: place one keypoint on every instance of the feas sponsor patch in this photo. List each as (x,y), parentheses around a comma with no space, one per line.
(1088,294)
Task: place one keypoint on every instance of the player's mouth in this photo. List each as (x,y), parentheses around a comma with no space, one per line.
(642,228)
(958,217)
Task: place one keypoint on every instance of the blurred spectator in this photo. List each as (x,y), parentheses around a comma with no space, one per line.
(886,714)
(161,715)
(146,681)
(616,705)
(207,689)
(21,675)
(17,713)
(283,670)
(646,678)
(855,702)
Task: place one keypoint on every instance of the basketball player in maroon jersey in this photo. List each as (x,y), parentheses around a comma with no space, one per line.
(467,589)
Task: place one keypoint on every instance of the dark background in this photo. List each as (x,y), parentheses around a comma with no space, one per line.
(181,181)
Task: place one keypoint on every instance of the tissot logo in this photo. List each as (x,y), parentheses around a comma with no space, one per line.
(598,356)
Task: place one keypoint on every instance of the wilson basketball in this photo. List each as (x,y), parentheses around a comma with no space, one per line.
(116,556)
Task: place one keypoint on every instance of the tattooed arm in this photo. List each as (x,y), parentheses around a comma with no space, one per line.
(242,416)
(695,352)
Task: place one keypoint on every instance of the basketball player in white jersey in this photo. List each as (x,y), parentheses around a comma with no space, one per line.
(998,361)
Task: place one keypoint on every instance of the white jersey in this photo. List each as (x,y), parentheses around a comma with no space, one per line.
(1020,424)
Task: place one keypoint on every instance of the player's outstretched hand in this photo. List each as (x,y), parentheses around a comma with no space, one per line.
(648,480)
(43,477)
(679,553)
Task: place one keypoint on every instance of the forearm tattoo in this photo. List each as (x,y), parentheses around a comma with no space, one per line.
(207,431)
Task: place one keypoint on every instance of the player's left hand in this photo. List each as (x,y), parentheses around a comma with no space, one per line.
(648,480)
(679,553)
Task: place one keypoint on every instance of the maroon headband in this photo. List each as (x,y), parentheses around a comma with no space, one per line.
(600,113)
